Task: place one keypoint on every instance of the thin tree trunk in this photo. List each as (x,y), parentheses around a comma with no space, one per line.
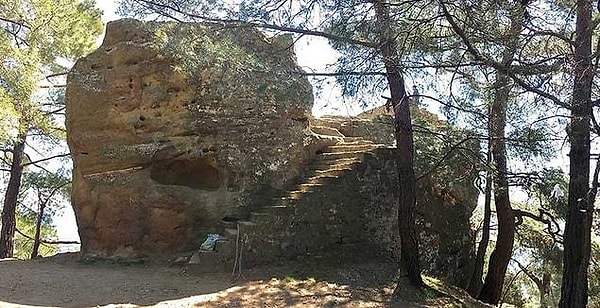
(475,282)
(7,233)
(543,284)
(409,250)
(545,288)
(574,289)
(38,231)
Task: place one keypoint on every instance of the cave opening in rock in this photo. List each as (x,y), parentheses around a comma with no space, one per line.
(198,173)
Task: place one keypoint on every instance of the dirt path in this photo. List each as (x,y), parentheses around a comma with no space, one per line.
(64,282)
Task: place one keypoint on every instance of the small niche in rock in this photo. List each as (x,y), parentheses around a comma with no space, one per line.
(229,222)
(195,173)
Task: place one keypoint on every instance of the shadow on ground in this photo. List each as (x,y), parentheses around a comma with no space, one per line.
(342,280)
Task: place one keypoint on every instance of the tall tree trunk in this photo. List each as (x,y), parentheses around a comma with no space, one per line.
(491,290)
(7,233)
(475,282)
(405,146)
(576,258)
(38,231)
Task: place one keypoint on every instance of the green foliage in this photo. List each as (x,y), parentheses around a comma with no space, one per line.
(40,190)
(220,55)
(199,47)
(445,156)
(48,189)
(539,187)
(24,245)
(535,247)
(36,37)
(513,289)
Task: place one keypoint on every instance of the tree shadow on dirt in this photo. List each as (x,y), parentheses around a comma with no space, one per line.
(344,278)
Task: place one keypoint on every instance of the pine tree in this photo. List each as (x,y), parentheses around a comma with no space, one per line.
(36,37)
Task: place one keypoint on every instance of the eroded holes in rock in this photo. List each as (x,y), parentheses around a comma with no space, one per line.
(198,173)
(131,83)
(173,89)
(142,118)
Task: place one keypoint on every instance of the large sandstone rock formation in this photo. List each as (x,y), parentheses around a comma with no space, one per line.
(173,127)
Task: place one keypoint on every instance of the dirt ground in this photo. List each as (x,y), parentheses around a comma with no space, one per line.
(62,281)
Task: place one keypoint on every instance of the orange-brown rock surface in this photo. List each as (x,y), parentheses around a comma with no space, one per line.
(175,126)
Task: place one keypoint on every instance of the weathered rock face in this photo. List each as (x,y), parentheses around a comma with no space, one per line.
(446,196)
(173,127)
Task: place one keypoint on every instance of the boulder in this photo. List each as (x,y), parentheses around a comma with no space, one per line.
(173,127)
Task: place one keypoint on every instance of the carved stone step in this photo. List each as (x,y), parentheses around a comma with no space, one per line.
(340,155)
(245,223)
(296,194)
(321,179)
(308,187)
(332,172)
(335,164)
(329,158)
(356,139)
(348,148)
(360,141)
(278,209)
(259,216)
(326,130)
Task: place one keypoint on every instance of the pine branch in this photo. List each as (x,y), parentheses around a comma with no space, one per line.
(245,24)
(20,23)
(508,70)
(46,159)
(46,241)
(342,74)
(544,217)
(446,155)
(536,280)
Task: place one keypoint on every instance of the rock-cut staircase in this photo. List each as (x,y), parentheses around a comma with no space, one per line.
(286,226)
